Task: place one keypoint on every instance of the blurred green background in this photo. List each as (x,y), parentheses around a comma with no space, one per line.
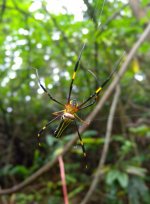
(48,35)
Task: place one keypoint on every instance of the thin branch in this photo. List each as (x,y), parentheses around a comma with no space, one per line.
(2,8)
(137,9)
(105,148)
(138,107)
(99,106)
(111,18)
(91,11)
(63,180)
(20,10)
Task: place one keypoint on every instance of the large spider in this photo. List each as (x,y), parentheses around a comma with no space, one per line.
(69,112)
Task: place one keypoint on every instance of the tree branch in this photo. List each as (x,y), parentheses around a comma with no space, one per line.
(137,9)
(3,7)
(99,106)
(63,179)
(111,18)
(105,148)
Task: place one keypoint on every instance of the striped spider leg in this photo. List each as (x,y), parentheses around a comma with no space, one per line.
(67,115)
(45,90)
(99,89)
(71,108)
(45,127)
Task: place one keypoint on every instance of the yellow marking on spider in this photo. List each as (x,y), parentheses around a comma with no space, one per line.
(74,74)
(40,144)
(63,127)
(38,135)
(98,90)
(44,128)
(84,154)
(81,143)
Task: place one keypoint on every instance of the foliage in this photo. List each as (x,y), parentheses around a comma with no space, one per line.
(33,37)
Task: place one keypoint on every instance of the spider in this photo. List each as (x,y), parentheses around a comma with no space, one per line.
(70,109)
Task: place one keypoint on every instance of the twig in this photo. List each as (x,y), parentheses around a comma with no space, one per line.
(99,106)
(137,9)
(2,8)
(63,180)
(105,148)
(110,19)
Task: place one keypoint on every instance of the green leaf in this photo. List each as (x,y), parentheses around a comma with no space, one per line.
(112,176)
(115,175)
(5,170)
(140,130)
(89,133)
(21,170)
(123,179)
(50,139)
(134,170)
(138,191)
(75,191)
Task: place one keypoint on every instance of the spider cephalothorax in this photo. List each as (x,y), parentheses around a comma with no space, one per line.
(70,109)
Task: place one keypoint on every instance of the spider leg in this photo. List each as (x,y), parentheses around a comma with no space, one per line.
(77,117)
(99,89)
(45,90)
(58,112)
(61,127)
(82,144)
(94,95)
(45,126)
(90,104)
(74,73)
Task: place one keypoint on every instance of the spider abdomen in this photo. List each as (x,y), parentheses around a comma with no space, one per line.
(69,116)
